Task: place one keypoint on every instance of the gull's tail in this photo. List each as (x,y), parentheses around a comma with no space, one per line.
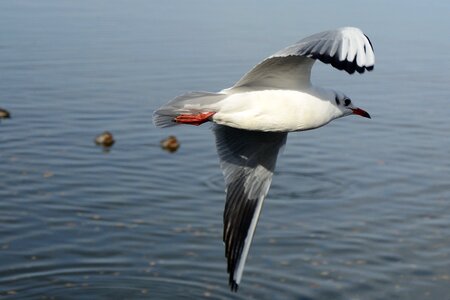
(189,103)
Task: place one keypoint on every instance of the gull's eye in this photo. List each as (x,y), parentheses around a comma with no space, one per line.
(347,102)
(337,100)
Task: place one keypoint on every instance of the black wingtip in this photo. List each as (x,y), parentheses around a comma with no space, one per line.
(233,285)
(369,42)
(344,65)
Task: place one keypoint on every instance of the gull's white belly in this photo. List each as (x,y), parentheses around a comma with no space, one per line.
(274,110)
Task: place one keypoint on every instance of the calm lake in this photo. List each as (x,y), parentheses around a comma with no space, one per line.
(358,209)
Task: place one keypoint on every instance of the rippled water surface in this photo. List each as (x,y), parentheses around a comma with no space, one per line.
(359,209)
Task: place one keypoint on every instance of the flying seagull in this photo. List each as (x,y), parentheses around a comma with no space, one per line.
(251,121)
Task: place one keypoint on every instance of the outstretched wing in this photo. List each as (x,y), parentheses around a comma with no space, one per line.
(247,159)
(346,48)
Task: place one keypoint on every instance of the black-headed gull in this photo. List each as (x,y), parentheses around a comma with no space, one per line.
(253,117)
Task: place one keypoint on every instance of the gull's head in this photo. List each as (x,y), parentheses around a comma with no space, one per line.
(345,105)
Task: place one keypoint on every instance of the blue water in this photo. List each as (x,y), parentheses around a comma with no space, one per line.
(359,209)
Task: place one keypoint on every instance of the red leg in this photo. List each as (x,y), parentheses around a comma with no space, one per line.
(191,119)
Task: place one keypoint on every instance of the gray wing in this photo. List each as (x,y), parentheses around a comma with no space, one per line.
(247,159)
(347,49)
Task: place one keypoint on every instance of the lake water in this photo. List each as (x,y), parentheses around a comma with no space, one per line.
(359,209)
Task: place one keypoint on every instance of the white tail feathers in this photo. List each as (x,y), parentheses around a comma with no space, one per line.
(189,103)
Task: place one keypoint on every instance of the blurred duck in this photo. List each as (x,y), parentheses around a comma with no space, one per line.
(4,114)
(170,144)
(105,139)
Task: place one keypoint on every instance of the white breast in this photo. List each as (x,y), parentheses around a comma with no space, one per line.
(274,110)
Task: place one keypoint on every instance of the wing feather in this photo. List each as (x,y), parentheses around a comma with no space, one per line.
(346,48)
(247,159)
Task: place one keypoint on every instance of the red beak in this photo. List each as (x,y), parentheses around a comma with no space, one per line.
(360,112)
